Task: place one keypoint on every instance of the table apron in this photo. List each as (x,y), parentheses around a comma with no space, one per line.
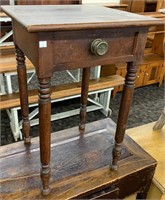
(57,51)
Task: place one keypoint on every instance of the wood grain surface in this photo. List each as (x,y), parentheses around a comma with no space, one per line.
(74,17)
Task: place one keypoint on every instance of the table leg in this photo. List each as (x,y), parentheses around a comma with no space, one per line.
(23,90)
(44,131)
(124,112)
(84,97)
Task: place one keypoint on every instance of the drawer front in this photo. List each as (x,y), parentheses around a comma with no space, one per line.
(73,49)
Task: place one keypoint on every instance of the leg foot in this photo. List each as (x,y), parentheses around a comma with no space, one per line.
(82,127)
(45,177)
(113,167)
(116,155)
(27,140)
(45,192)
(82,117)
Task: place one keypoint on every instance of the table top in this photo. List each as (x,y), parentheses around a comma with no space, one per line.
(38,18)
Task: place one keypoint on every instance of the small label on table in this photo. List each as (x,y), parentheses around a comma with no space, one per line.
(42,44)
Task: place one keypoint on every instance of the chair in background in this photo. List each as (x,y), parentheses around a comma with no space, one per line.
(161,121)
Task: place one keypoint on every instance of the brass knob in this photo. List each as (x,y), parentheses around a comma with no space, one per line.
(99,47)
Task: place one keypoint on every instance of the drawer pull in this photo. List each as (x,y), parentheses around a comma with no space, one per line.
(99,47)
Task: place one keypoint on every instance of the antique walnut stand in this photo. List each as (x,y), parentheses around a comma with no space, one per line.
(57,38)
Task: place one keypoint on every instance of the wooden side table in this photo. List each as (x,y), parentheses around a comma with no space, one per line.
(67,37)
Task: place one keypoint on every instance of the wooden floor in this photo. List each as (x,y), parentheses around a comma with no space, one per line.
(154,143)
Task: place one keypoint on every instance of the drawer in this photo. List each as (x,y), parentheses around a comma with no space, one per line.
(74,48)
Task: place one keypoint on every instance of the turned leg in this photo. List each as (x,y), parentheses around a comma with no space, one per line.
(84,97)
(123,112)
(23,90)
(44,131)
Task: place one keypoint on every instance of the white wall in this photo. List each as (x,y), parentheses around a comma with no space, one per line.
(101,1)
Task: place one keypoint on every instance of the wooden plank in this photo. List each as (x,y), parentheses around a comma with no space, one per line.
(61,91)
(8,63)
(152,57)
(7,50)
(114,5)
(2,14)
(80,165)
(153,14)
(120,6)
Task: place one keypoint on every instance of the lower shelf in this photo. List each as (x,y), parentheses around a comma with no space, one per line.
(80,166)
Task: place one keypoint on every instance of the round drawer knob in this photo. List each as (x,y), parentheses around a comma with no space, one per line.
(99,47)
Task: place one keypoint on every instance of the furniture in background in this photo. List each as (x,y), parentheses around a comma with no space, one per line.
(80,41)
(143,5)
(161,121)
(151,69)
(160,5)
